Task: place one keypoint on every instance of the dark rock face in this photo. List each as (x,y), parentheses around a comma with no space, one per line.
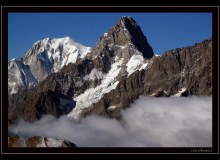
(35,102)
(137,37)
(189,68)
(38,141)
(46,97)
(124,39)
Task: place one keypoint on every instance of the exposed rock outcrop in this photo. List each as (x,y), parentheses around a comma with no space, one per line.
(179,72)
(38,141)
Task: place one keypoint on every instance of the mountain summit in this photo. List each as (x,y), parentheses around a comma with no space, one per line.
(132,31)
(43,58)
(126,36)
(51,54)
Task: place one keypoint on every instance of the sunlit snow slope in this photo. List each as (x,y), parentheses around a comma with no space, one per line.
(45,57)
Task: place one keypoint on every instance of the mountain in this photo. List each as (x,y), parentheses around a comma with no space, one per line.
(78,85)
(118,69)
(179,72)
(38,141)
(43,58)
(116,56)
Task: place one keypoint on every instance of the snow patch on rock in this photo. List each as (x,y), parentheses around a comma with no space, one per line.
(93,95)
(179,93)
(136,62)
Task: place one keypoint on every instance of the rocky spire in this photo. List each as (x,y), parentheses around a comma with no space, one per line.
(133,34)
(124,39)
(123,42)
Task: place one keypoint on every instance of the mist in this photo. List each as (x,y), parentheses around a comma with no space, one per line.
(149,122)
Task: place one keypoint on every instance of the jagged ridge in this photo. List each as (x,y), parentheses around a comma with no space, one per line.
(179,72)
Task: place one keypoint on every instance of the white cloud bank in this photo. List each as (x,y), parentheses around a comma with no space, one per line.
(149,122)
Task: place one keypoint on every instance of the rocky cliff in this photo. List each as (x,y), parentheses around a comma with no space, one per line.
(179,72)
(38,141)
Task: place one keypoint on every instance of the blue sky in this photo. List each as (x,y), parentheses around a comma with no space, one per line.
(164,31)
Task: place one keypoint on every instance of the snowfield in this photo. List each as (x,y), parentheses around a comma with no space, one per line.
(134,63)
(93,95)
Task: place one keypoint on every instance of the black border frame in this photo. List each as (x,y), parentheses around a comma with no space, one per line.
(4,59)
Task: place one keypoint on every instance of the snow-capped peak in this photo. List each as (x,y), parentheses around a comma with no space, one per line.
(45,57)
(64,50)
(13,59)
(156,55)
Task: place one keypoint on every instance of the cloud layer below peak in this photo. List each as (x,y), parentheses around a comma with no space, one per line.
(149,122)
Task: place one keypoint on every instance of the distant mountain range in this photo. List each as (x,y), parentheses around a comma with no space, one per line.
(61,76)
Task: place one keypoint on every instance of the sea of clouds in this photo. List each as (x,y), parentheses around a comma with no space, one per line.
(149,122)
